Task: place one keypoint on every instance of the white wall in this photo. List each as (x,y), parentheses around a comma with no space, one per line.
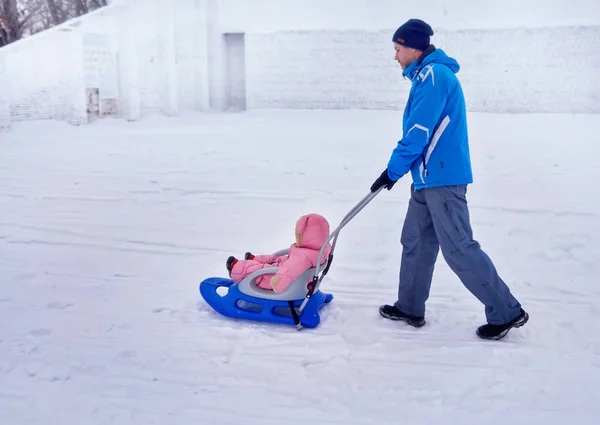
(516,56)
(133,58)
(514,70)
(41,82)
(322,69)
(157,56)
(294,15)
(172,54)
(4,102)
(47,74)
(98,34)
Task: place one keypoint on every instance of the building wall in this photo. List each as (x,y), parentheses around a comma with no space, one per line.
(50,75)
(191,41)
(371,15)
(130,59)
(41,84)
(170,52)
(554,69)
(139,57)
(4,100)
(534,56)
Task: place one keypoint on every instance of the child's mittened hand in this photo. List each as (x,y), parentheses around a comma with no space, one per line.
(275,282)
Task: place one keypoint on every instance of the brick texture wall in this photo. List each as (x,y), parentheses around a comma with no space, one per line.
(502,70)
(42,81)
(322,69)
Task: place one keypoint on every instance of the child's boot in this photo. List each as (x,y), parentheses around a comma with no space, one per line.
(249,256)
(230,263)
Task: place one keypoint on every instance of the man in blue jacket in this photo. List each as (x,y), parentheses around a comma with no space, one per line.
(435,149)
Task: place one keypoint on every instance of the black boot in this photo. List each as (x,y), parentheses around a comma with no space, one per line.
(230,263)
(496,332)
(392,313)
(249,256)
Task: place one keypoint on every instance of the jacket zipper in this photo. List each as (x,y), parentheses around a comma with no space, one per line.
(423,169)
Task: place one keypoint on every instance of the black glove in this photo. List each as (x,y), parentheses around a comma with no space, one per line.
(383,181)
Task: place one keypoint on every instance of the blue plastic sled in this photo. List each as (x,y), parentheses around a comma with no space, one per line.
(239,305)
(298,304)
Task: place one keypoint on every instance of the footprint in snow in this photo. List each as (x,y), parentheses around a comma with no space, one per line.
(59,305)
(127,354)
(40,332)
(313,363)
(60,377)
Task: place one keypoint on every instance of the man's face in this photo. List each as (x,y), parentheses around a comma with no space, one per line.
(405,55)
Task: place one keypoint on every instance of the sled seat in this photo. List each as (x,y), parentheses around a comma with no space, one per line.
(295,291)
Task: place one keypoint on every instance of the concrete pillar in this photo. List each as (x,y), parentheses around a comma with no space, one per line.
(171,105)
(202,67)
(130,101)
(217,69)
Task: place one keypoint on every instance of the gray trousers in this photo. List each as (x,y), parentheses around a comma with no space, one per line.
(438,217)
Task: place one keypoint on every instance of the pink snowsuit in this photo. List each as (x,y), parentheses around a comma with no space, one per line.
(312,230)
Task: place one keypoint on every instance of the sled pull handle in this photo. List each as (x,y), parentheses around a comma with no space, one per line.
(351,214)
(316,280)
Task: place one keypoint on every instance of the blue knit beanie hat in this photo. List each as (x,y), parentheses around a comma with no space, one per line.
(414,33)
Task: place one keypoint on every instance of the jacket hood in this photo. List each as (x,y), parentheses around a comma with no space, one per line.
(435,56)
(314,229)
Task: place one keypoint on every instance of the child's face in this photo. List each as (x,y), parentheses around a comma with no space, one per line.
(298,239)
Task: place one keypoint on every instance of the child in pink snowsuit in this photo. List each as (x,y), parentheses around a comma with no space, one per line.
(312,230)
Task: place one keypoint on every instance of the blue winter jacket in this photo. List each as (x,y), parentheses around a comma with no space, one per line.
(435,143)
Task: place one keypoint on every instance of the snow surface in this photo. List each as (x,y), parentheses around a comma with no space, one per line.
(107,229)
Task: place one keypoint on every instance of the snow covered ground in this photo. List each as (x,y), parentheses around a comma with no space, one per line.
(107,229)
